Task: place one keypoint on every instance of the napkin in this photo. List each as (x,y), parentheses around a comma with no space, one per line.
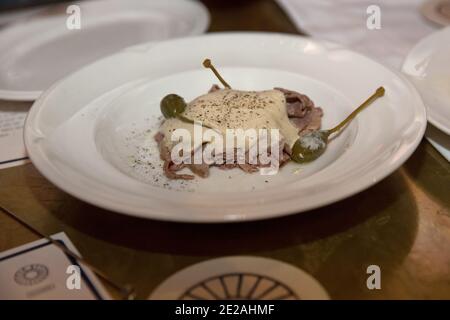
(345,22)
(401,26)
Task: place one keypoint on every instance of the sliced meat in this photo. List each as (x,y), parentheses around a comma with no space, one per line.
(249,168)
(169,167)
(297,104)
(226,166)
(296,109)
(301,111)
(315,120)
(170,172)
(201,170)
(159,137)
(214,87)
(164,152)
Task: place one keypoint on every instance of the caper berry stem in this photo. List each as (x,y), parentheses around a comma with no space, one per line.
(378,93)
(207,64)
(185,119)
(312,145)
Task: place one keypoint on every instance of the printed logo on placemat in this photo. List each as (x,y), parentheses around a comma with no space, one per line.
(40,270)
(31,274)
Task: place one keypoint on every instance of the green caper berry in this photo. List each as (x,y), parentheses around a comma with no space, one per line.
(172,105)
(310,147)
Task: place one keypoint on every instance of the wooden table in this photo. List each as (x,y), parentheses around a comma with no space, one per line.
(401,224)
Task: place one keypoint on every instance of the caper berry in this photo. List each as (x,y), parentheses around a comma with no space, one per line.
(310,146)
(172,105)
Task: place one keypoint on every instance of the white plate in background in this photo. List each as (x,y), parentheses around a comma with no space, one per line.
(428,67)
(240,277)
(37,52)
(83,133)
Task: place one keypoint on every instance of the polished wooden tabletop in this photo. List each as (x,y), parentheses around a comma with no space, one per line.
(402,224)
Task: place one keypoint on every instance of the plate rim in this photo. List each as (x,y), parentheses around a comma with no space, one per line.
(381,173)
(32,95)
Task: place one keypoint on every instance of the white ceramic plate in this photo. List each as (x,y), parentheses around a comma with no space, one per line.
(428,66)
(240,277)
(87,131)
(37,52)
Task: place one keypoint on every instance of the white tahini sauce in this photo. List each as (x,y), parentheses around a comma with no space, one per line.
(235,109)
